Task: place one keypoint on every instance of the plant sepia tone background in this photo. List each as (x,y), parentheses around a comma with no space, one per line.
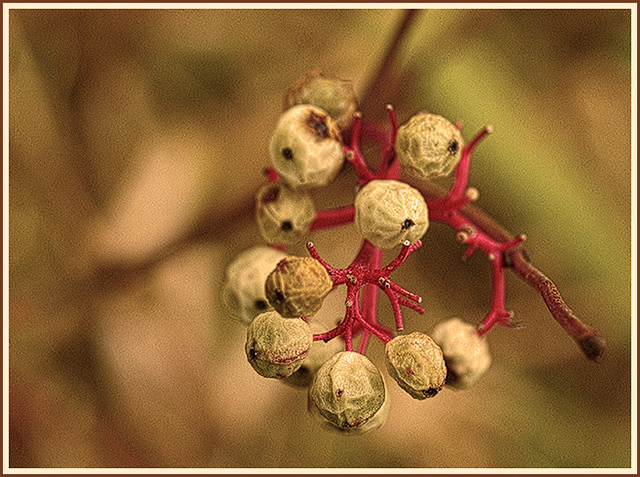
(137,141)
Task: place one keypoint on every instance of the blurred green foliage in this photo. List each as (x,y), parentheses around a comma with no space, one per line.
(137,141)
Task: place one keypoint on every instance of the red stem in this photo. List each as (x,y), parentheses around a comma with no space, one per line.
(333,217)
(370,301)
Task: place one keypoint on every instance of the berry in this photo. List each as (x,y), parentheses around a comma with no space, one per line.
(465,352)
(336,97)
(415,361)
(297,287)
(284,215)
(348,391)
(276,347)
(390,212)
(243,296)
(306,147)
(428,146)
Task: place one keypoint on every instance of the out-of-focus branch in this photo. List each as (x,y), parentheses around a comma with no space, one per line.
(385,72)
(214,224)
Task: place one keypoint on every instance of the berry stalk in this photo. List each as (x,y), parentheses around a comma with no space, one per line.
(364,271)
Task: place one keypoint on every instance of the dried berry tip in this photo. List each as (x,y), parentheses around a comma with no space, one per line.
(594,347)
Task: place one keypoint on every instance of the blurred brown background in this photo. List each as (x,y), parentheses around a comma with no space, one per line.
(137,140)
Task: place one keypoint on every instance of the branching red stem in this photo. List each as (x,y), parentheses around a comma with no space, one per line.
(364,271)
(474,228)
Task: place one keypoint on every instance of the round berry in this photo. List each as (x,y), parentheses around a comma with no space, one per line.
(242,294)
(276,347)
(337,97)
(284,215)
(388,213)
(298,286)
(306,147)
(348,391)
(465,352)
(428,146)
(415,361)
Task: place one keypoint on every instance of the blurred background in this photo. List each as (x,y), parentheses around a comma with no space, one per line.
(137,141)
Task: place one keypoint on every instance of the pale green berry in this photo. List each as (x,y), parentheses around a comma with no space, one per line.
(349,392)
(242,293)
(320,352)
(465,352)
(388,213)
(337,97)
(306,147)
(428,146)
(298,286)
(284,215)
(416,362)
(276,346)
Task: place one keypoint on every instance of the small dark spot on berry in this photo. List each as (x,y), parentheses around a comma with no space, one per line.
(409,371)
(407,224)
(453,146)
(287,153)
(322,131)
(318,125)
(252,353)
(339,392)
(430,392)
(279,296)
(260,304)
(286,226)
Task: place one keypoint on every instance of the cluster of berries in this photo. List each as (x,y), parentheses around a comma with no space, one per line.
(277,294)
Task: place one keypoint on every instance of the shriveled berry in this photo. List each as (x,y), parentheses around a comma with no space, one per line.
(415,361)
(284,215)
(349,392)
(242,294)
(428,146)
(306,147)
(465,352)
(298,286)
(276,347)
(388,212)
(337,97)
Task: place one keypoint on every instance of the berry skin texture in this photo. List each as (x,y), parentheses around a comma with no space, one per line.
(428,146)
(465,352)
(389,212)
(416,363)
(276,346)
(337,97)
(306,147)
(348,391)
(242,294)
(297,287)
(284,215)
